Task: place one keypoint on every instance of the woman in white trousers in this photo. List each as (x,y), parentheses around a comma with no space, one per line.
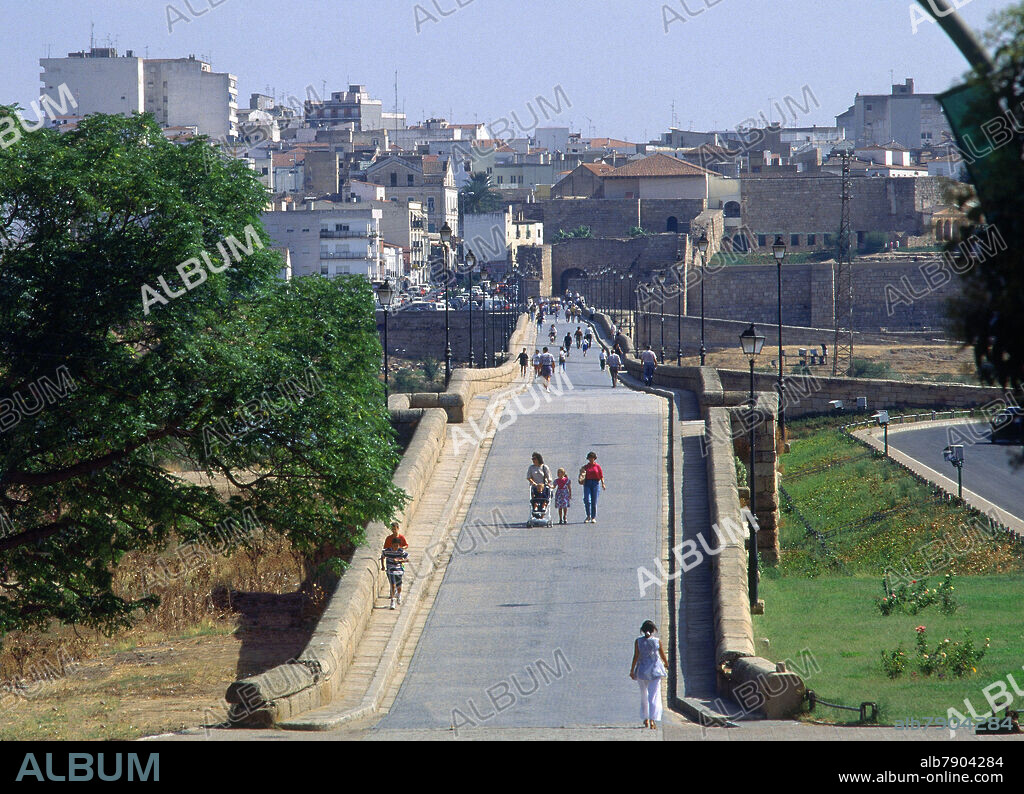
(647,669)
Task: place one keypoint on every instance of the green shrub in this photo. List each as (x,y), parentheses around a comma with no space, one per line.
(862,368)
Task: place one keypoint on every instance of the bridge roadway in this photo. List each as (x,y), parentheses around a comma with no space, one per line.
(558,605)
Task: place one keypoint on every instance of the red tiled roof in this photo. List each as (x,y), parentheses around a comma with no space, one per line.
(284,159)
(599,142)
(657,165)
(599,169)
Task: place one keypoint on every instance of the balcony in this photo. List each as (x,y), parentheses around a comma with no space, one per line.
(346,255)
(332,234)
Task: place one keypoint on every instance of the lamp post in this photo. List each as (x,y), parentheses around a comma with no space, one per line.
(779,252)
(385,297)
(702,246)
(470,265)
(632,311)
(661,288)
(446,240)
(752,342)
(954,454)
(679,323)
(484,326)
(883,420)
(636,317)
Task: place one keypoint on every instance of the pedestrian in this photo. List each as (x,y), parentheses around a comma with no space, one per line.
(539,476)
(586,347)
(579,337)
(561,360)
(603,358)
(590,477)
(547,368)
(393,559)
(614,362)
(650,362)
(524,359)
(648,670)
(567,340)
(588,336)
(536,362)
(563,496)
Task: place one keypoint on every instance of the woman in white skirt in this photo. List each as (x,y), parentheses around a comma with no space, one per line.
(648,670)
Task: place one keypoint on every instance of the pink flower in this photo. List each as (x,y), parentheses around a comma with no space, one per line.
(919,629)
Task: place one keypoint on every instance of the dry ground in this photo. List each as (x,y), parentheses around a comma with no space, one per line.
(125,693)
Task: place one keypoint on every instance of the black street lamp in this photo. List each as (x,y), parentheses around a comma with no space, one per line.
(484,326)
(470,265)
(752,342)
(779,252)
(385,297)
(702,246)
(661,296)
(679,323)
(630,309)
(446,240)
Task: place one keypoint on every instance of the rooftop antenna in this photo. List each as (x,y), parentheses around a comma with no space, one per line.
(92,34)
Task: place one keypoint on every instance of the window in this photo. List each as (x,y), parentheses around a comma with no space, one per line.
(289,231)
(794,239)
(762,241)
(324,270)
(409,179)
(430,205)
(812,239)
(867,106)
(501,180)
(394,179)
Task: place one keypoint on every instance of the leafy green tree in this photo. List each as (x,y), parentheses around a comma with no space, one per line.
(987,313)
(269,385)
(478,196)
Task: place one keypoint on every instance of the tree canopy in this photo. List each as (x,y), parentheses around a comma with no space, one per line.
(987,314)
(232,372)
(478,196)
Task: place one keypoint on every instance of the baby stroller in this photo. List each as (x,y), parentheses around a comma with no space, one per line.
(540,506)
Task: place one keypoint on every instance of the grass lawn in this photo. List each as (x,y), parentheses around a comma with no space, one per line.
(850,517)
(845,634)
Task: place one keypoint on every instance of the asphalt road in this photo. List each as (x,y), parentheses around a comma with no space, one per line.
(533,628)
(987,470)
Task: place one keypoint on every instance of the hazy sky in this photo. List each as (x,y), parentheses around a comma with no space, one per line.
(620,64)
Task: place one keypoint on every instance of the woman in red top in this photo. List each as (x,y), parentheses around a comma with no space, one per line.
(591,476)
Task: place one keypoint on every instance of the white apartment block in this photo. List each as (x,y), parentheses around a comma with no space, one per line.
(99,81)
(328,239)
(179,92)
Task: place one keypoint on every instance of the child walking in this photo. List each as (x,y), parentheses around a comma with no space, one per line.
(563,496)
(648,670)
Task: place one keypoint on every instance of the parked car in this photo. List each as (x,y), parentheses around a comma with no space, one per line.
(1007,426)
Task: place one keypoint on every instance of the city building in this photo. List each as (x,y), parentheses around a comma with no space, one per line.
(327,238)
(354,107)
(910,119)
(423,178)
(179,92)
(658,176)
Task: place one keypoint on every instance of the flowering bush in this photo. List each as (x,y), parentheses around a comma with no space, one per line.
(956,659)
(894,662)
(917,596)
